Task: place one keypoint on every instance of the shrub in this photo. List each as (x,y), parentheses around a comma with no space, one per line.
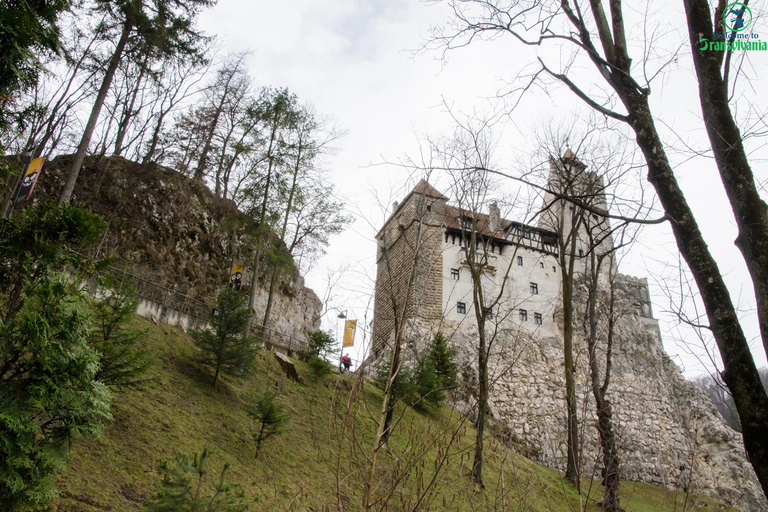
(47,387)
(182,485)
(225,348)
(321,344)
(443,359)
(423,386)
(269,416)
(47,390)
(319,368)
(124,363)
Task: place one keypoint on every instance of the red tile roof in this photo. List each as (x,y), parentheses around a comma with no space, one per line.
(424,188)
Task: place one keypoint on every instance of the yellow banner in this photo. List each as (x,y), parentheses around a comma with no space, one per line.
(349,333)
(236,275)
(29,180)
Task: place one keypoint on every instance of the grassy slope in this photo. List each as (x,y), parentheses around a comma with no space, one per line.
(323,449)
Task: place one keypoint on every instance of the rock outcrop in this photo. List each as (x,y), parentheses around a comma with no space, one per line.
(171,230)
(669,431)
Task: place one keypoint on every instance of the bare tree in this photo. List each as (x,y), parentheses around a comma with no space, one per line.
(179,80)
(484,239)
(586,31)
(402,263)
(310,137)
(231,88)
(162,26)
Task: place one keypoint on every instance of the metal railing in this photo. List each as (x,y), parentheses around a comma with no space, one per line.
(273,339)
(167,297)
(199,310)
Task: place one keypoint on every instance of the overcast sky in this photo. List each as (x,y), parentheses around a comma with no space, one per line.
(357,62)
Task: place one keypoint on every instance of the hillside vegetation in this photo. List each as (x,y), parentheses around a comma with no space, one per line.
(319,461)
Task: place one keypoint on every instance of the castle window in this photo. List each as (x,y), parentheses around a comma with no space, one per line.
(461,308)
(541,264)
(455,274)
(537,318)
(554,268)
(489,313)
(524,315)
(429,208)
(581,253)
(534,288)
(466,222)
(520,260)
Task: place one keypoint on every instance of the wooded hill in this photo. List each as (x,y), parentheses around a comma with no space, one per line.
(162,226)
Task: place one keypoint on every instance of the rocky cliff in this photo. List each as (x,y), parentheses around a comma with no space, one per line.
(173,231)
(669,432)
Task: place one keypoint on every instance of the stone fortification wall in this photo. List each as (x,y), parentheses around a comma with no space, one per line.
(669,431)
(295,308)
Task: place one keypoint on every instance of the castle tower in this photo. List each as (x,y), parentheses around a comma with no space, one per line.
(575,207)
(409,264)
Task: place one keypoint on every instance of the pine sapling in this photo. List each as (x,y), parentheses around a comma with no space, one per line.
(269,416)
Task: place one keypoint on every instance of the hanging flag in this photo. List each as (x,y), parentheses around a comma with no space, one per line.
(29,180)
(349,333)
(236,276)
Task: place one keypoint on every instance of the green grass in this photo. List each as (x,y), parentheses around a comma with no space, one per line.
(321,458)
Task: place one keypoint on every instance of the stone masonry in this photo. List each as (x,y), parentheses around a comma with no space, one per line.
(669,432)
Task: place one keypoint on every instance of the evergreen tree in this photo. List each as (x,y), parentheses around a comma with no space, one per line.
(442,358)
(321,344)
(270,418)
(426,384)
(27,29)
(124,363)
(37,243)
(224,348)
(47,390)
(47,369)
(183,483)
(423,385)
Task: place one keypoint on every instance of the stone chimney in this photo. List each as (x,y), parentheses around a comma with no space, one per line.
(494,217)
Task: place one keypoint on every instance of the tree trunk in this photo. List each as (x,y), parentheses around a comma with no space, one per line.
(82,149)
(573,466)
(384,427)
(270,295)
(284,229)
(740,372)
(122,126)
(155,138)
(610,471)
(263,212)
(482,399)
(252,295)
(202,162)
(749,209)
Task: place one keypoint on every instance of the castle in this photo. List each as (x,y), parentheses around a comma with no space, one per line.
(669,432)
